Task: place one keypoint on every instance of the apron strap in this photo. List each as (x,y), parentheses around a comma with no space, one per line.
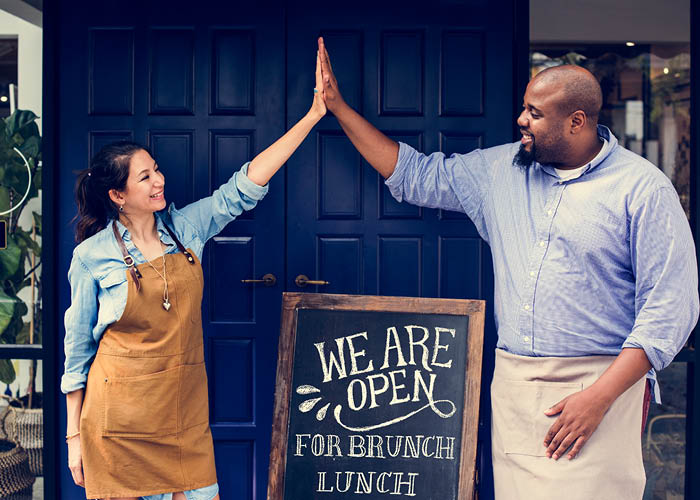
(128,259)
(180,246)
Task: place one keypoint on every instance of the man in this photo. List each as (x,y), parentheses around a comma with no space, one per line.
(595,281)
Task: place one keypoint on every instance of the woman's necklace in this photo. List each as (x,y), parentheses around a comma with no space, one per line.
(166,296)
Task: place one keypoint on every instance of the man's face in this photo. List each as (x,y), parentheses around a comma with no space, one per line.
(542,126)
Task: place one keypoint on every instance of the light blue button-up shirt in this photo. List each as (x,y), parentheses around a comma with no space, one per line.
(583,266)
(98,270)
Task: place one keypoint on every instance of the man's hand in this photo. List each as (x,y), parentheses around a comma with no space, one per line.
(579,417)
(379,151)
(331,94)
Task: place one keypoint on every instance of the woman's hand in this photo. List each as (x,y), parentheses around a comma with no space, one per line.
(264,166)
(75,461)
(318,107)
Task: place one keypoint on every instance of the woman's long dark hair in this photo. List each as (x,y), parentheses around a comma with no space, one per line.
(109,169)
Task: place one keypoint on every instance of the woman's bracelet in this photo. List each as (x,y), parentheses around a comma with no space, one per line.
(71,436)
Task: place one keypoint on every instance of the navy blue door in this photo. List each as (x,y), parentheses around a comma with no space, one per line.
(439,79)
(204,89)
(208,87)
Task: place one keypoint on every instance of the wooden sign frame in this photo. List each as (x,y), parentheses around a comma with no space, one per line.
(293,302)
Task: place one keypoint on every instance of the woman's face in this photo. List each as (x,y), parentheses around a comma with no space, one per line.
(145,186)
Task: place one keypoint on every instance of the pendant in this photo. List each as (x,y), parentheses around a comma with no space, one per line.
(166,305)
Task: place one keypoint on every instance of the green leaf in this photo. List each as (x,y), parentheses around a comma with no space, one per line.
(17,139)
(10,258)
(21,308)
(17,178)
(36,180)
(9,334)
(17,278)
(23,335)
(25,241)
(30,147)
(4,199)
(7,310)
(7,371)
(37,222)
(18,120)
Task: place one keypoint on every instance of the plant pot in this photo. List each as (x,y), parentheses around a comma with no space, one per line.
(28,427)
(16,480)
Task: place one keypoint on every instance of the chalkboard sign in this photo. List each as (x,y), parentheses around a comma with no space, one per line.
(377,397)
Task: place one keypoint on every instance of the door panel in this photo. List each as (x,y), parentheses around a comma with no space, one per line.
(204,90)
(422,78)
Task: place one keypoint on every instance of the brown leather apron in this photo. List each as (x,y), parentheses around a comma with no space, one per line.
(144,425)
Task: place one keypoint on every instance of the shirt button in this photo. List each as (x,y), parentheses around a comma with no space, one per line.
(527,307)
(526,339)
(532,273)
(542,243)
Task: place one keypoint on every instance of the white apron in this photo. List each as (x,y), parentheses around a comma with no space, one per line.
(609,466)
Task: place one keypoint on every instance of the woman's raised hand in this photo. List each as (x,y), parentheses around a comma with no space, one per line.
(318,107)
(264,166)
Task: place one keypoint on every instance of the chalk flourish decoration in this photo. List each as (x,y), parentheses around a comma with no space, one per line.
(309,404)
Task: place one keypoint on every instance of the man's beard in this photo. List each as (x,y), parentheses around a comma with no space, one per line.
(524,158)
(550,153)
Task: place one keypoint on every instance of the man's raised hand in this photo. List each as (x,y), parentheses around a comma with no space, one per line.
(331,94)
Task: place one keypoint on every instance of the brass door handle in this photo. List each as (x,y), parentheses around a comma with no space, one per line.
(267,280)
(302,281)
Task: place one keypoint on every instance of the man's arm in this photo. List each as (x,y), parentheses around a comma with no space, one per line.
(666,305)
(379,151)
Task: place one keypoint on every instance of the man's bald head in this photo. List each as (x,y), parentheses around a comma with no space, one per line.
(576,87)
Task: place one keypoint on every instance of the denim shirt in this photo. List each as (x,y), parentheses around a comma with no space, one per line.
(583,266)
(97,269)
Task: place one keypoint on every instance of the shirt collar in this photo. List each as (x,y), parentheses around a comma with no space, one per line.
(609,144)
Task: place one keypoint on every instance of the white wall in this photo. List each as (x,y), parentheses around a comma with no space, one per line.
(30,60)
(641,21)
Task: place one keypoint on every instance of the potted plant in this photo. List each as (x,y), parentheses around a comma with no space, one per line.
(20,318)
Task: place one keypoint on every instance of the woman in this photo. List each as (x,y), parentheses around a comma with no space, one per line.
(135,383)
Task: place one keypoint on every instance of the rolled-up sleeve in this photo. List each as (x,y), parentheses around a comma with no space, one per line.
(459,182)
(80,319)
(211,214)
(666,274)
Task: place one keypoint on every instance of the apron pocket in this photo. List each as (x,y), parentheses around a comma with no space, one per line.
(194,396)
(518,412)
(142,406)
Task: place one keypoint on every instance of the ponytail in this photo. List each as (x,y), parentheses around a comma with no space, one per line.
(109,169)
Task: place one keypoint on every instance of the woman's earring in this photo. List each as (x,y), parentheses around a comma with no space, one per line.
(121,208)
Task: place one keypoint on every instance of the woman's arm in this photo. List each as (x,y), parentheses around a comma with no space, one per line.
(247,186)
(74,406)
(264,166)
(80,349)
